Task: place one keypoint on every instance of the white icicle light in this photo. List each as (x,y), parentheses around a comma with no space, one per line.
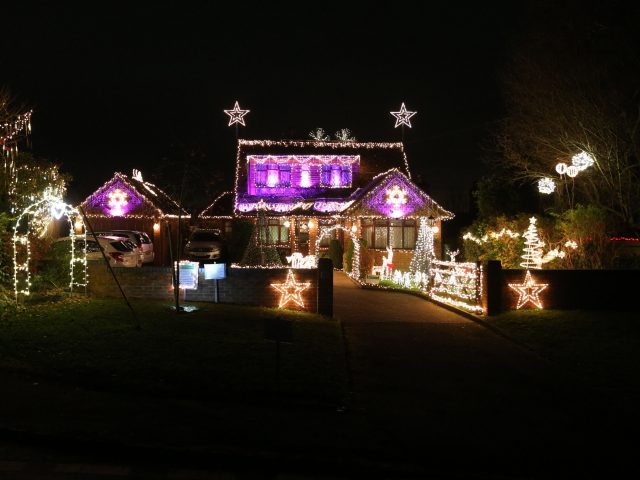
(546,185)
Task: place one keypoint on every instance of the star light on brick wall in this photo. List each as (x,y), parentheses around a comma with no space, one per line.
(291,291)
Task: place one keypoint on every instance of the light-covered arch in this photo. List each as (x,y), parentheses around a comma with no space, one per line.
(40,214)
(355,262)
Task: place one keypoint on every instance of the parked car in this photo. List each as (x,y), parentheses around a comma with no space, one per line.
(119,252)
(140,239)
(206,245)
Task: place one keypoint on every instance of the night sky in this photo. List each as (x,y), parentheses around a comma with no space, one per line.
(113,89)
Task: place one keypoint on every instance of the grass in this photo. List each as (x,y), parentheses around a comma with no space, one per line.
(603,347)
(216,352)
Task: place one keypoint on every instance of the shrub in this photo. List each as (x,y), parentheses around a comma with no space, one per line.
(335,253)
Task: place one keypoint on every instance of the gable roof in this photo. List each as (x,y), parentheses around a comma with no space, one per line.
(373,199)
(145,198)
(221,207)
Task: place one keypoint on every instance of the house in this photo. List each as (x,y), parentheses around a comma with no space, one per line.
(315,191)
(131,203)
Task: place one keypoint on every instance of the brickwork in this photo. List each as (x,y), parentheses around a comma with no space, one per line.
(567,289)
(242,286)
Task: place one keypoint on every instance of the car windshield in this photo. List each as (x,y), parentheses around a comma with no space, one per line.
(205,237)
(124,246)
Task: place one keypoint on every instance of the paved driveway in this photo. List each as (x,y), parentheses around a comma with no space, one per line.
(445,388)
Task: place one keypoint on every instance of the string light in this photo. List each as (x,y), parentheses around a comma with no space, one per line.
(291,291)
(546,185)
(236,115)
(582,161)
(424,251)
(532,257)
(457,283)
(396,197)
(561,168)
(355,262)
(528,291)
(572,171)
(319,134)
(403,116)
(135,199)
(118,200)
(42,212)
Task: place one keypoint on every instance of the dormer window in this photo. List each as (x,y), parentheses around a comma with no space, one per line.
(335,176)
(272,175)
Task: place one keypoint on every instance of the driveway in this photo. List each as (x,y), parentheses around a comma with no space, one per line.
(449,391)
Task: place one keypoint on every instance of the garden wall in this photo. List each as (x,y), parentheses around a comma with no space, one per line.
(567,289)
(246,286)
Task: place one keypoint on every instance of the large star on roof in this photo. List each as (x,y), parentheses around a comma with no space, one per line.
(403,116)
(291,291)
(236,115)
(528,291)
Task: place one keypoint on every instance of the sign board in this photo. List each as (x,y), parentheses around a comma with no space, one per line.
(189,275)
(214,271)
(278,329)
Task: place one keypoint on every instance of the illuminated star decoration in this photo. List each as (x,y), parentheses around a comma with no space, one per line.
(236,115)
(291,291)
(117,200)
(403,116)
(528,291)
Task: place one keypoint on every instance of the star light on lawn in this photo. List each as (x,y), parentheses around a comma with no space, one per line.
(290,291)
(528,291)
(403,116)
(236,115)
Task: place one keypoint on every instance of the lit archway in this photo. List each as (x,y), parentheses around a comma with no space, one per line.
(38,216)
(355,262)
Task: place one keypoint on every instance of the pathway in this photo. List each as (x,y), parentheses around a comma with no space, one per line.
(446,389)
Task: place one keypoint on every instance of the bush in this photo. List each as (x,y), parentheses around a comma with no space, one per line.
(348,257)
(335,253)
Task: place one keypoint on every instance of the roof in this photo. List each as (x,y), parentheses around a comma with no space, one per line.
(392,194)
(141,198)
(221,207)
(374,157)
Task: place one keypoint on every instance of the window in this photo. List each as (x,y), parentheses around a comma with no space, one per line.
(275,233)
(399,234)
(335,176)
(272,175)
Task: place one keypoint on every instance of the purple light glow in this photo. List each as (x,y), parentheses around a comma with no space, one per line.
(117,200)
(393,199)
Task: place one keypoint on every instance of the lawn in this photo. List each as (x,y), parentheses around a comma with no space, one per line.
(217,352)
(601,347)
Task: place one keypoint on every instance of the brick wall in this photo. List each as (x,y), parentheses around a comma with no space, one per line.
(242,286)
(567,289)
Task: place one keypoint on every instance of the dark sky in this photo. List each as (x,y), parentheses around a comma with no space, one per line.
(112,89)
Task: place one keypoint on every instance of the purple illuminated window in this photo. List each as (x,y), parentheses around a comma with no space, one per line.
(335,176)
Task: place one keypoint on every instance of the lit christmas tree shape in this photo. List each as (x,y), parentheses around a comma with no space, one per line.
(403,116)
(236,115)
(291,291)
(528,291)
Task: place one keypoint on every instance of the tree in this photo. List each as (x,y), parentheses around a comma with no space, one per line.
(31,176)
(572,87)
(532,257)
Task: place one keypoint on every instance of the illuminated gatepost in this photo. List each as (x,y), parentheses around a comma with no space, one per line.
(36,218)
(313,235)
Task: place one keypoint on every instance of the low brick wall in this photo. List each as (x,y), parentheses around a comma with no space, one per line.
(577,289)
(145,282)
(567,289)
(242,286)
(252,286)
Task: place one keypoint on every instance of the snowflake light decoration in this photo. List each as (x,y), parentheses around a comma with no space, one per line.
(396,197)
(118,199)
(403,116)
(236,115)
(546,185)
(582,161)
